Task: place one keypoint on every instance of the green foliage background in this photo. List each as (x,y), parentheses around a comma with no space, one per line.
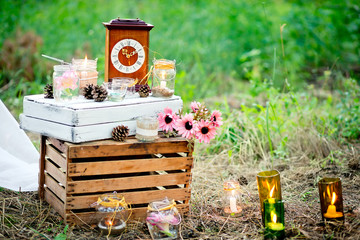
(222,48)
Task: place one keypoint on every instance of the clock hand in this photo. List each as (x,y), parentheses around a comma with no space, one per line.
(133,52)
(125,52)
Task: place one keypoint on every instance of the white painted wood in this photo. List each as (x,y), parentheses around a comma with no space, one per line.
(71,133)
(84,112)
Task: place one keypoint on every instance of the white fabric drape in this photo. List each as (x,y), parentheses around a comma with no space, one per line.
(19,158)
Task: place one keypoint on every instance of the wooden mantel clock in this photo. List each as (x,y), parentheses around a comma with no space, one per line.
(127,49)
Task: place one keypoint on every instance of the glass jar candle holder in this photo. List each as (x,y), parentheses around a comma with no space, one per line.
(269,187)
(86,70)
(147,129)
(116,89)
(274,219)
(114,210)
(331,200)
(131,86)
(65,83)
(163,219)
(164,72)
(232,198)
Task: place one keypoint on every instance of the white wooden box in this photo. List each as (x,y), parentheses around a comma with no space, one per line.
(86,120)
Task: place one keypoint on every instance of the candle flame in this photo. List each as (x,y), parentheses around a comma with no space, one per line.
(109,222)
(85,59)
(333,199)
(273,217)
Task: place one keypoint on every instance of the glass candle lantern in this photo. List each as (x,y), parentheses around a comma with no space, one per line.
(116,89)
(86,70)
(164,73)
(131,86)
(65,83)
(147,129)
(232,198)
(331,201)
(114,208)
(163,219)
(274,219)
(269,188)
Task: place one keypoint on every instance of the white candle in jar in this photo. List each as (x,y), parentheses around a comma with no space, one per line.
(163,84)
(233,207)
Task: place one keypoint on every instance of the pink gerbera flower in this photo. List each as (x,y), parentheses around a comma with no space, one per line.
(167,120)
(216,118)
(205,131)
(185,126)
(195,106)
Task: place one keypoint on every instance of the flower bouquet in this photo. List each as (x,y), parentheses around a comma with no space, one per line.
(200,124)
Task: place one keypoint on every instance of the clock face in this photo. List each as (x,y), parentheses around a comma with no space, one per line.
(127,56)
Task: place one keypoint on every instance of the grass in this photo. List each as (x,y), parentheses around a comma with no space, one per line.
(294,132)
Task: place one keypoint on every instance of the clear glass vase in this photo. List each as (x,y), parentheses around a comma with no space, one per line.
(163,219)
(65,83)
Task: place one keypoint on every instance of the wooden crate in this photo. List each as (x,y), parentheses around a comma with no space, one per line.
(72,176)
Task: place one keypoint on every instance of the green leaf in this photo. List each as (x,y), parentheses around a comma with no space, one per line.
(60,236)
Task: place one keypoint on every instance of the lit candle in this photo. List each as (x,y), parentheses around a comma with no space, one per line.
(331,211)
(85,62)
(109,222)
(271,199)
(86,69)
(232,199)
(274,225)
(162,79)
(163,84)
(112,226)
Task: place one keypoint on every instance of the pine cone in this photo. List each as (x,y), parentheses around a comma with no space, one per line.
(48,91)
(119,133)
(99,93)
(88,91)
(144,91)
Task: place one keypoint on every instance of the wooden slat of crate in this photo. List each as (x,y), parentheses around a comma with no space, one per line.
(103,185)
(131,146)
(82,202)
(128,166)
(93,217)
(55,187)
(54,201)
(56,156)
(60,145)
(55,172)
